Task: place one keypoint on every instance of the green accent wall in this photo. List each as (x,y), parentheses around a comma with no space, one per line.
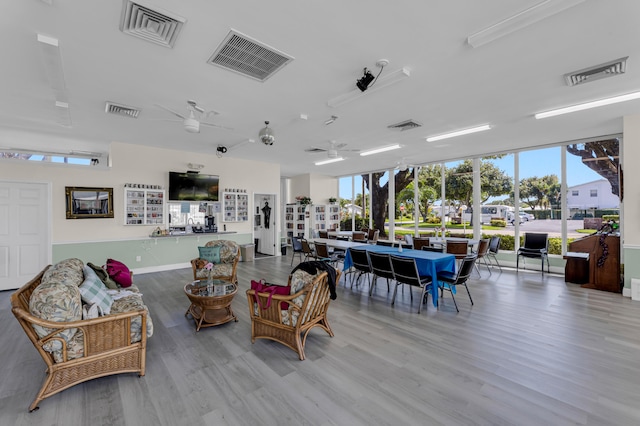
(154,252)
(631,265)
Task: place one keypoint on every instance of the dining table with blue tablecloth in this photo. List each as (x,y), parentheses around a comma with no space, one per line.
(428,263)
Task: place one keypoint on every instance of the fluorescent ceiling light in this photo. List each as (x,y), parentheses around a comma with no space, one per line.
(588,105)
(520,20)
(458,133)
(384,81)
(331,160)
(379,150)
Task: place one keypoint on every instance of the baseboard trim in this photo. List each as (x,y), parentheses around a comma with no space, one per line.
(160,268)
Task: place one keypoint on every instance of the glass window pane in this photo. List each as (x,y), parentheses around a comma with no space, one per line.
(404,202)
(593,186)
(540,195)
(497,205)
(379,188)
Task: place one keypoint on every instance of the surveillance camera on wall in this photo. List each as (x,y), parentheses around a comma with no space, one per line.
(221,149)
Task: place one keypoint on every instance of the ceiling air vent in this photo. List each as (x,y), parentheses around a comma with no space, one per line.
(608,69)
(405,125)
(242,54)
(157,26)
(117,109)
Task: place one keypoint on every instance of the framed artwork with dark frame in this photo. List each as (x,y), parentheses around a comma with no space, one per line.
(89,203)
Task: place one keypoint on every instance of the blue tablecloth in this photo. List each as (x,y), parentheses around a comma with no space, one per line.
(428,263)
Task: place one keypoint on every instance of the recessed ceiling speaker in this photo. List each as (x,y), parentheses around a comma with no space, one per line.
(266,135)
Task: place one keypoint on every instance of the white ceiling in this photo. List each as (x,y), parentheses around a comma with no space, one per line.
(452,85)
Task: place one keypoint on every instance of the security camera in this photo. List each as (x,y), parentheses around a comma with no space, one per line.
(221,149)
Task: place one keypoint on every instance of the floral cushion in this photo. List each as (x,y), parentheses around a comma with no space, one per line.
(133,303)
(229,250)
(299,280)
(66,271)
(219,270)
(57,298)
(59,302)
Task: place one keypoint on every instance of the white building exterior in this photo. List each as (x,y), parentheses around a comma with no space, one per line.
(592,195)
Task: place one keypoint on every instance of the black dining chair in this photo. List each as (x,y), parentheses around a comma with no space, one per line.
(439,249)
(323,255)
(307,250)
(483,250)
(381,268)
(361,264)
(536,245)
(449,280)
(297,249)
(405,271)
(494,247)
(384,243)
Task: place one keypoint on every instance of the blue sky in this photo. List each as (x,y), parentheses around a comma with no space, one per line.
(540,162)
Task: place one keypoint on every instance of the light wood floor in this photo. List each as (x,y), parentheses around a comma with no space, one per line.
(532,351)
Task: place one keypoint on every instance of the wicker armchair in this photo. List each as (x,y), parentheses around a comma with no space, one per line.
(107,345)
(303,311)
(226,269)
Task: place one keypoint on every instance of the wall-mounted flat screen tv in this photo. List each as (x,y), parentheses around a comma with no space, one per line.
(193,187)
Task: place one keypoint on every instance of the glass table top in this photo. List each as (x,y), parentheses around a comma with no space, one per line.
(210,288)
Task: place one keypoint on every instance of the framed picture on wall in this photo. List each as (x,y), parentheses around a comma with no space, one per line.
(89,203)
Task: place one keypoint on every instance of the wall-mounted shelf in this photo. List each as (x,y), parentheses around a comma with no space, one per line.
(144,206)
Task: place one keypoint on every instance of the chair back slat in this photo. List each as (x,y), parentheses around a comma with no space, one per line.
(405,270)
(384,243)
(536,241)
(466,268)
(458,248)
(419,242)
(494,245)
(322,250)
(483,247)
(359,236)
(381,264)
(360,259)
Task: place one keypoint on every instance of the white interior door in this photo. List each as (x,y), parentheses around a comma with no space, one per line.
(24,232)
(265,208)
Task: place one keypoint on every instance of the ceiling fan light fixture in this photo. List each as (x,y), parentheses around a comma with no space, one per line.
(266,135)
(379,150)
(329,161)
(191,125)
(459,133)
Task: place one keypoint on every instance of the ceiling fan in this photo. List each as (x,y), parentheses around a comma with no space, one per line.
(403,165)
(332,150)
(195,113)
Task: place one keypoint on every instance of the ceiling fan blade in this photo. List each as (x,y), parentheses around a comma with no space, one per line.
(215,125)
(315,150)
(171,111)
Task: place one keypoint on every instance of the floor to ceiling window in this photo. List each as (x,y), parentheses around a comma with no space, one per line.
(591,171)
(593,185)
(379,188)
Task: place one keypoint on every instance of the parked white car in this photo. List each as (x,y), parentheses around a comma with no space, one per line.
(524,216)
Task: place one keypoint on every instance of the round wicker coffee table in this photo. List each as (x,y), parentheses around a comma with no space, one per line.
(210,302)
